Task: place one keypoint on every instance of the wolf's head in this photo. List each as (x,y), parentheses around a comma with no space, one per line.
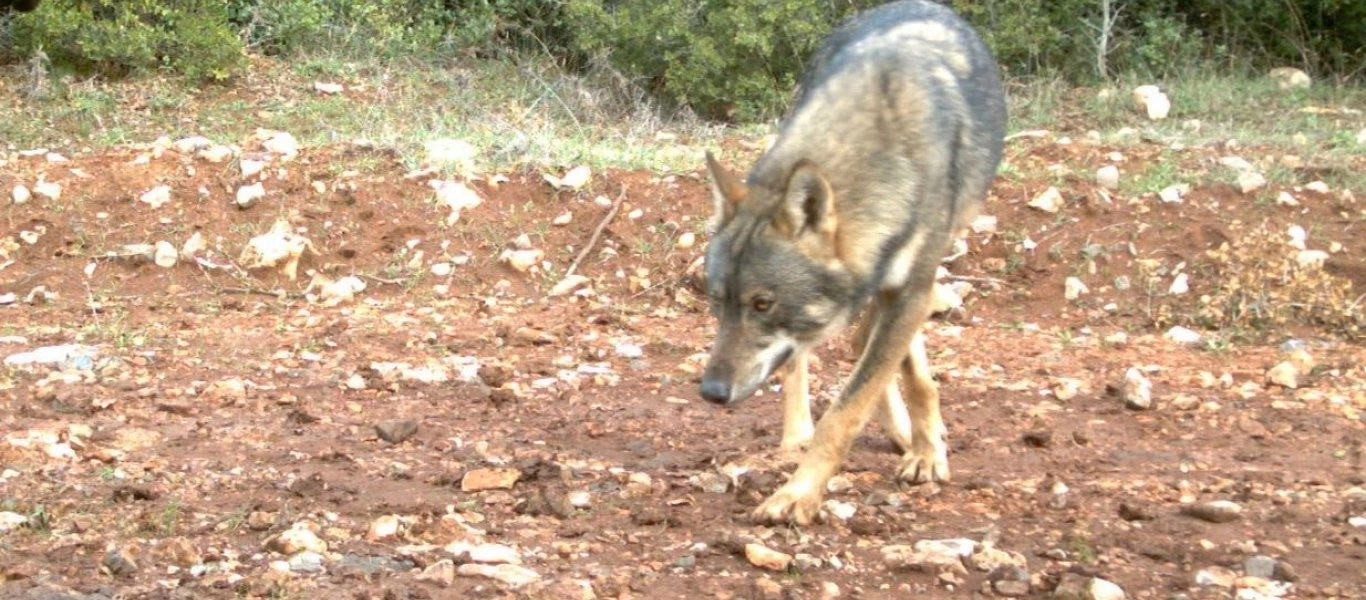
(775,282)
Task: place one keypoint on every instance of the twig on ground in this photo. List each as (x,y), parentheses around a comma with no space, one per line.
(597,233)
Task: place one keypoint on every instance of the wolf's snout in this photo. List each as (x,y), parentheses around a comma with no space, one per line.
(715,390)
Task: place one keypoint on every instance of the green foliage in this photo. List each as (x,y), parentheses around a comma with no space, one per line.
(191,37)
(738,59)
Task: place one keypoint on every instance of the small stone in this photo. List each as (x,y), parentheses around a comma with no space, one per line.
(768,589)
(121,561)
(396,431)
(247,195)
(1216,511)
(1180,285)
(1050,201)
(1011,588)
(1182,335)
(931,561)
(441,572)
(764,557)
(157,196)
(480,480)
(1250,181)
(1150,99)
(1260,566)
(1284,374)
(383,528)
(1173,194)
(1074,288)
(165,255)
(1317,187)
(1133,511)
(1136,390)
(514,576)
(1100,589)
(20,194)
(990,558)
(1108,177)
(298,538)
(306,563)
(1215,577)
(1185,402)
(9,521)
(1311,259)
(563,219)
(687,240)
(1285,199)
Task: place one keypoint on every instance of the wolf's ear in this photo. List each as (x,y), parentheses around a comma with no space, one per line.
(808,204)
(728,190)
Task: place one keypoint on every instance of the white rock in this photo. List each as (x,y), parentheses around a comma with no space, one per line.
(521,260)
(457,197)
(252,168)
(298,538)
(1285,199)
(157,196)
(279,245)
(1049,201)
(282,143)
(1108,177)
(1284,374)
(249,194)
(1361,137)
(569,284)
(51,355)
(1250,181)
(514,576)
(627,350)
(1237,163)
(1182,335)
(574,179)
(1174,194)
(1180,285)
(1317,187)
(194,245)
(687,240)
(984,224)
(341,291)
(442,269)
(960,547)
(216,153)
(1297,236)
(1152,101)
(327,88)
(840,510)
(563,219)
(192,144)
(1100,589)
(382,528)
(20,194)
(945,299)
(1311,259)
(9,521)
(166,255)
(1136,390)
(48,189)
(1074,288)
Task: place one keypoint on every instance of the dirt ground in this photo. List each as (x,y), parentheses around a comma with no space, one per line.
(224,433)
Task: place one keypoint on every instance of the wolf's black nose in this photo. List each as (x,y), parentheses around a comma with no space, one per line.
(716,391)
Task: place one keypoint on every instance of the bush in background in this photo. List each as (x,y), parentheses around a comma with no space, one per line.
(116,37)
(733,59)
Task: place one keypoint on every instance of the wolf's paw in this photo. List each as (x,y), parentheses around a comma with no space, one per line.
(797,503)
(925,463)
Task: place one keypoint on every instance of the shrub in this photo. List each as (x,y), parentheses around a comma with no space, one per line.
(191,37)
(737,59)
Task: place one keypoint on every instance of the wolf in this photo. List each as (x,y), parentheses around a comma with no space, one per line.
(891,143)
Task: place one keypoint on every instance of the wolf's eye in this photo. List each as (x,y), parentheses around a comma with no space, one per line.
(762,304)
